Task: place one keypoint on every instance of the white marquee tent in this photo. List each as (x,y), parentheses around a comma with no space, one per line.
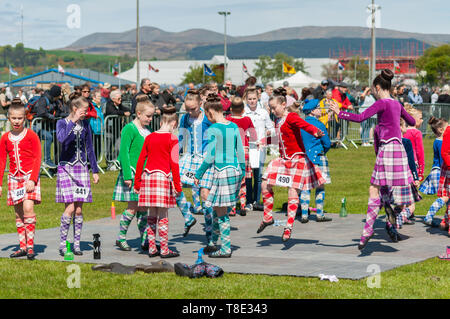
(298,80)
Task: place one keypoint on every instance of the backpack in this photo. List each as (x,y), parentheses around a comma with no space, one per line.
(30,106)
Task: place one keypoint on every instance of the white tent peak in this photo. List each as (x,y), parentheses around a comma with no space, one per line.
(298,80)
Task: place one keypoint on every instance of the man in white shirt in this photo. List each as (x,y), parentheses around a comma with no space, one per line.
(265,96)
(264,127)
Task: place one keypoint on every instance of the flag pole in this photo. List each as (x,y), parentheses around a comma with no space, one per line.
(203,74)
(119,75)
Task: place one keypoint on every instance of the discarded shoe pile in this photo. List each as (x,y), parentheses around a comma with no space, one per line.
(198,270)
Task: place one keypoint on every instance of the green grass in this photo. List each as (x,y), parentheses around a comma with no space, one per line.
(350,171)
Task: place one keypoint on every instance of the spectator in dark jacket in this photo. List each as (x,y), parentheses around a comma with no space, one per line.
(444,97)
(319,92)
(145,89)
(169,96)
(114,105)
(157,98)
(45,108)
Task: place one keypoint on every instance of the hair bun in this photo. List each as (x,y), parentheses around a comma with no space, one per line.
(142,98)
(212,97)
(387,75)
(169,110)
(280,92)
(433,120)
(193,91)
(74,95)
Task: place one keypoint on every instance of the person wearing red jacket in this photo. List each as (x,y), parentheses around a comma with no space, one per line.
(23,148)
(159,182)
(339,95)
(86,92)
(292,169)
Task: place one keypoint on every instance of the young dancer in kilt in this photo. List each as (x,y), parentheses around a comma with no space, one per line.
(431,184)
(192,137)
(23,148)
(415,136)
(316,150)
(391,179)
(223,146)
(131,142)
(292,169)
(73,185)
(248,134)
(444,181)
(158,183)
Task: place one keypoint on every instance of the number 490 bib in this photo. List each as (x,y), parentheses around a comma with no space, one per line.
(284,180)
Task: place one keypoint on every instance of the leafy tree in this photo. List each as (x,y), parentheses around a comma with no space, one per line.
(362,71)
(269,69)
(436,62)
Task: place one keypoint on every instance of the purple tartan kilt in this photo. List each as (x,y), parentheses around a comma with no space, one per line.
(391,166)
(68,177)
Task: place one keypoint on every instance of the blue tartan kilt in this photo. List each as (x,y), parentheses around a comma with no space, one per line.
(225,187)
(189,164)
(431,184)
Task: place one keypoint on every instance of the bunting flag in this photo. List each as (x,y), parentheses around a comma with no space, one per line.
(396,66)
(61,69)
(12,72)
(341,66)
(288,69)
(207,71)
(115,70)
(244,68)
(150,68)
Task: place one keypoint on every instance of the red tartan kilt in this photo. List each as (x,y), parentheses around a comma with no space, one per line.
(156,190)
(15,182)
(444,182)
(248,168)
(304,174)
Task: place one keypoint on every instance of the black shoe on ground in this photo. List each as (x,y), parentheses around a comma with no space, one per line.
(169,255)
(264,225)
(258,207)
(304,220)
(30,254)
(154,254)
(210,249)
(78,252)
(19,253)
(188,228)
(144,247)
(364,244)
(123,245)
(393,234)
(323,219)
(243,212)
(219,255)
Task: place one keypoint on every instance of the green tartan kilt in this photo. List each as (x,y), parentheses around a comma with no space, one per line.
(122,193)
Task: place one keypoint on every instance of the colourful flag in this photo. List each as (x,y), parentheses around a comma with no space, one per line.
(244,67)
(115,70)
(341,66)
(61,69)
(396,66)
(288,69)
(12,72)
(207,71)
(150,68)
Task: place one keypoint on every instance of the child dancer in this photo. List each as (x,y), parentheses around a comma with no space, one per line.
(415,135)
(293,169)
(131,142)
(156,182)
(248,134)
(193,141)
(23,147)
(73,187)
(224,144)
(264,127)
(438,126)
(444,181)
(405,216)
(316,150)
(391,156)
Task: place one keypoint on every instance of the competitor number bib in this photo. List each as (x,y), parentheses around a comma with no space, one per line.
(81,192)
(284,180)
(18,194)
(189,177)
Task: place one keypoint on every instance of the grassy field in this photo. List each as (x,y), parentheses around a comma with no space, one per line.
(350,172)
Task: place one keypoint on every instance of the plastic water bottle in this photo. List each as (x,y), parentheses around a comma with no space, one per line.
(200,258)
(96,245)
(343,212)
(69,254)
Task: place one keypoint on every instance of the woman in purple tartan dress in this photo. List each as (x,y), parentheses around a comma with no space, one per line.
(391,178)
(73,186)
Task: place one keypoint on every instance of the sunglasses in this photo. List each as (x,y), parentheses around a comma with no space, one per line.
(86,91)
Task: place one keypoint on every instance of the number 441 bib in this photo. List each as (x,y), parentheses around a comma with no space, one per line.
(81,192)
(284,180)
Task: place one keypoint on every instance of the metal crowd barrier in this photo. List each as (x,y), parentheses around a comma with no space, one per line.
(428,110)
(51,149)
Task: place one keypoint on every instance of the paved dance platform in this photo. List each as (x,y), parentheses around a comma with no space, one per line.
(315,248)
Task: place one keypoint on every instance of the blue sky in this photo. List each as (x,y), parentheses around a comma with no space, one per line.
(45,21)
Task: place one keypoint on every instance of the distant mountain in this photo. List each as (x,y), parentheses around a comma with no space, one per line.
(160,44)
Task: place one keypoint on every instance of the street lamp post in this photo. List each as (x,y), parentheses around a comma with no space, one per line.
(225,14)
